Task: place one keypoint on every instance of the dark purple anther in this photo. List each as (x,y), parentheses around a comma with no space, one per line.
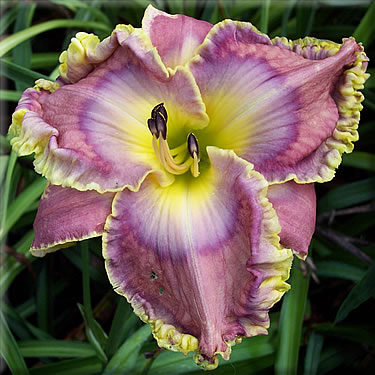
(161,109)
(161,125)
(192,144)
(152,126)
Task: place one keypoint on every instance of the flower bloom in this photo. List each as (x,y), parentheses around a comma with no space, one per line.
(192,150)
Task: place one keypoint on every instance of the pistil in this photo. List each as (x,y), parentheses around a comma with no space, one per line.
(172,160)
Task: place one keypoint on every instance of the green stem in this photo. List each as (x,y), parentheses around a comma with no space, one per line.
(265,16)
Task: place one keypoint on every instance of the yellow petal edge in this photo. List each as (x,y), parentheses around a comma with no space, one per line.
(348,103)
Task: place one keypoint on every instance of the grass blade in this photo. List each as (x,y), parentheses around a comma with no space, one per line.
(7,19)
(126,357)
(291,320)
(365,32)
(314,348)
(5,194)
(14,40)
(22,203)
(348,195)
(360,159)
(264,16)
(10,96)
(10,351)
(359,294)
(11,266)
(55,348)
(80,366)
(339,270)
(22,53)
(119,327)
(20,74)
(94,332)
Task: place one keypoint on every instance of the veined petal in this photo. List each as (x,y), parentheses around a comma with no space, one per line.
(295,206)
(291,114)
(176,37)
(93,134)
(67,215)
(168,249)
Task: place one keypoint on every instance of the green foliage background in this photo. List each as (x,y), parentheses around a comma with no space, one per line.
(59,314)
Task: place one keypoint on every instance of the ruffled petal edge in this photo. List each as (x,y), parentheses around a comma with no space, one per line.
(347,96)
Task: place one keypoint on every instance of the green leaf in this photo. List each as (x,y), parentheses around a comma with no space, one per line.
(22,53)
(10,42)
(359,159)
(253,354)
(16,320)
(365,32)
(289,5)
(4,160)
(9,95)
(312,359)
(44,300)
(21,204)
(10,351)
(369,101)
(20,74)
(264,16)
(120,326)
(348,195)
(370,83)
(291,320)
(7,19)
(55,348)
(305,17)
(44,60)
(364,290)
(339,270)
(5,194)
(80,366)
(11,266)
(362,334)
(125,358)
(176,6)
(95,333)
(340,354)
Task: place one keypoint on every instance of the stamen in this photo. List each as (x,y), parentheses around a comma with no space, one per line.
(178,149)
(152,127)
(172,160)
(161,125)
(169,163)
(192,144)
(195,166)
(161,109)
(193,149)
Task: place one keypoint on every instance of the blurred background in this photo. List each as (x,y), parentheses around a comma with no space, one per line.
(59,314)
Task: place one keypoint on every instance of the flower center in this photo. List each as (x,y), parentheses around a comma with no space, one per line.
(173,160)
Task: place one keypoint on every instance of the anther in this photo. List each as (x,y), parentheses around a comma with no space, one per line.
(152,127)
(161,125)
(192,145)
(161,109)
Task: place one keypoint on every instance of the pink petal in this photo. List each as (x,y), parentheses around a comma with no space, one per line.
(93,134)
(291,116)
(176,37)
(295,205)
(67,215)
(199,259)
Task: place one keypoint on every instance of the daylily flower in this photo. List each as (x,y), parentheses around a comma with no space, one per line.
(192,150)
